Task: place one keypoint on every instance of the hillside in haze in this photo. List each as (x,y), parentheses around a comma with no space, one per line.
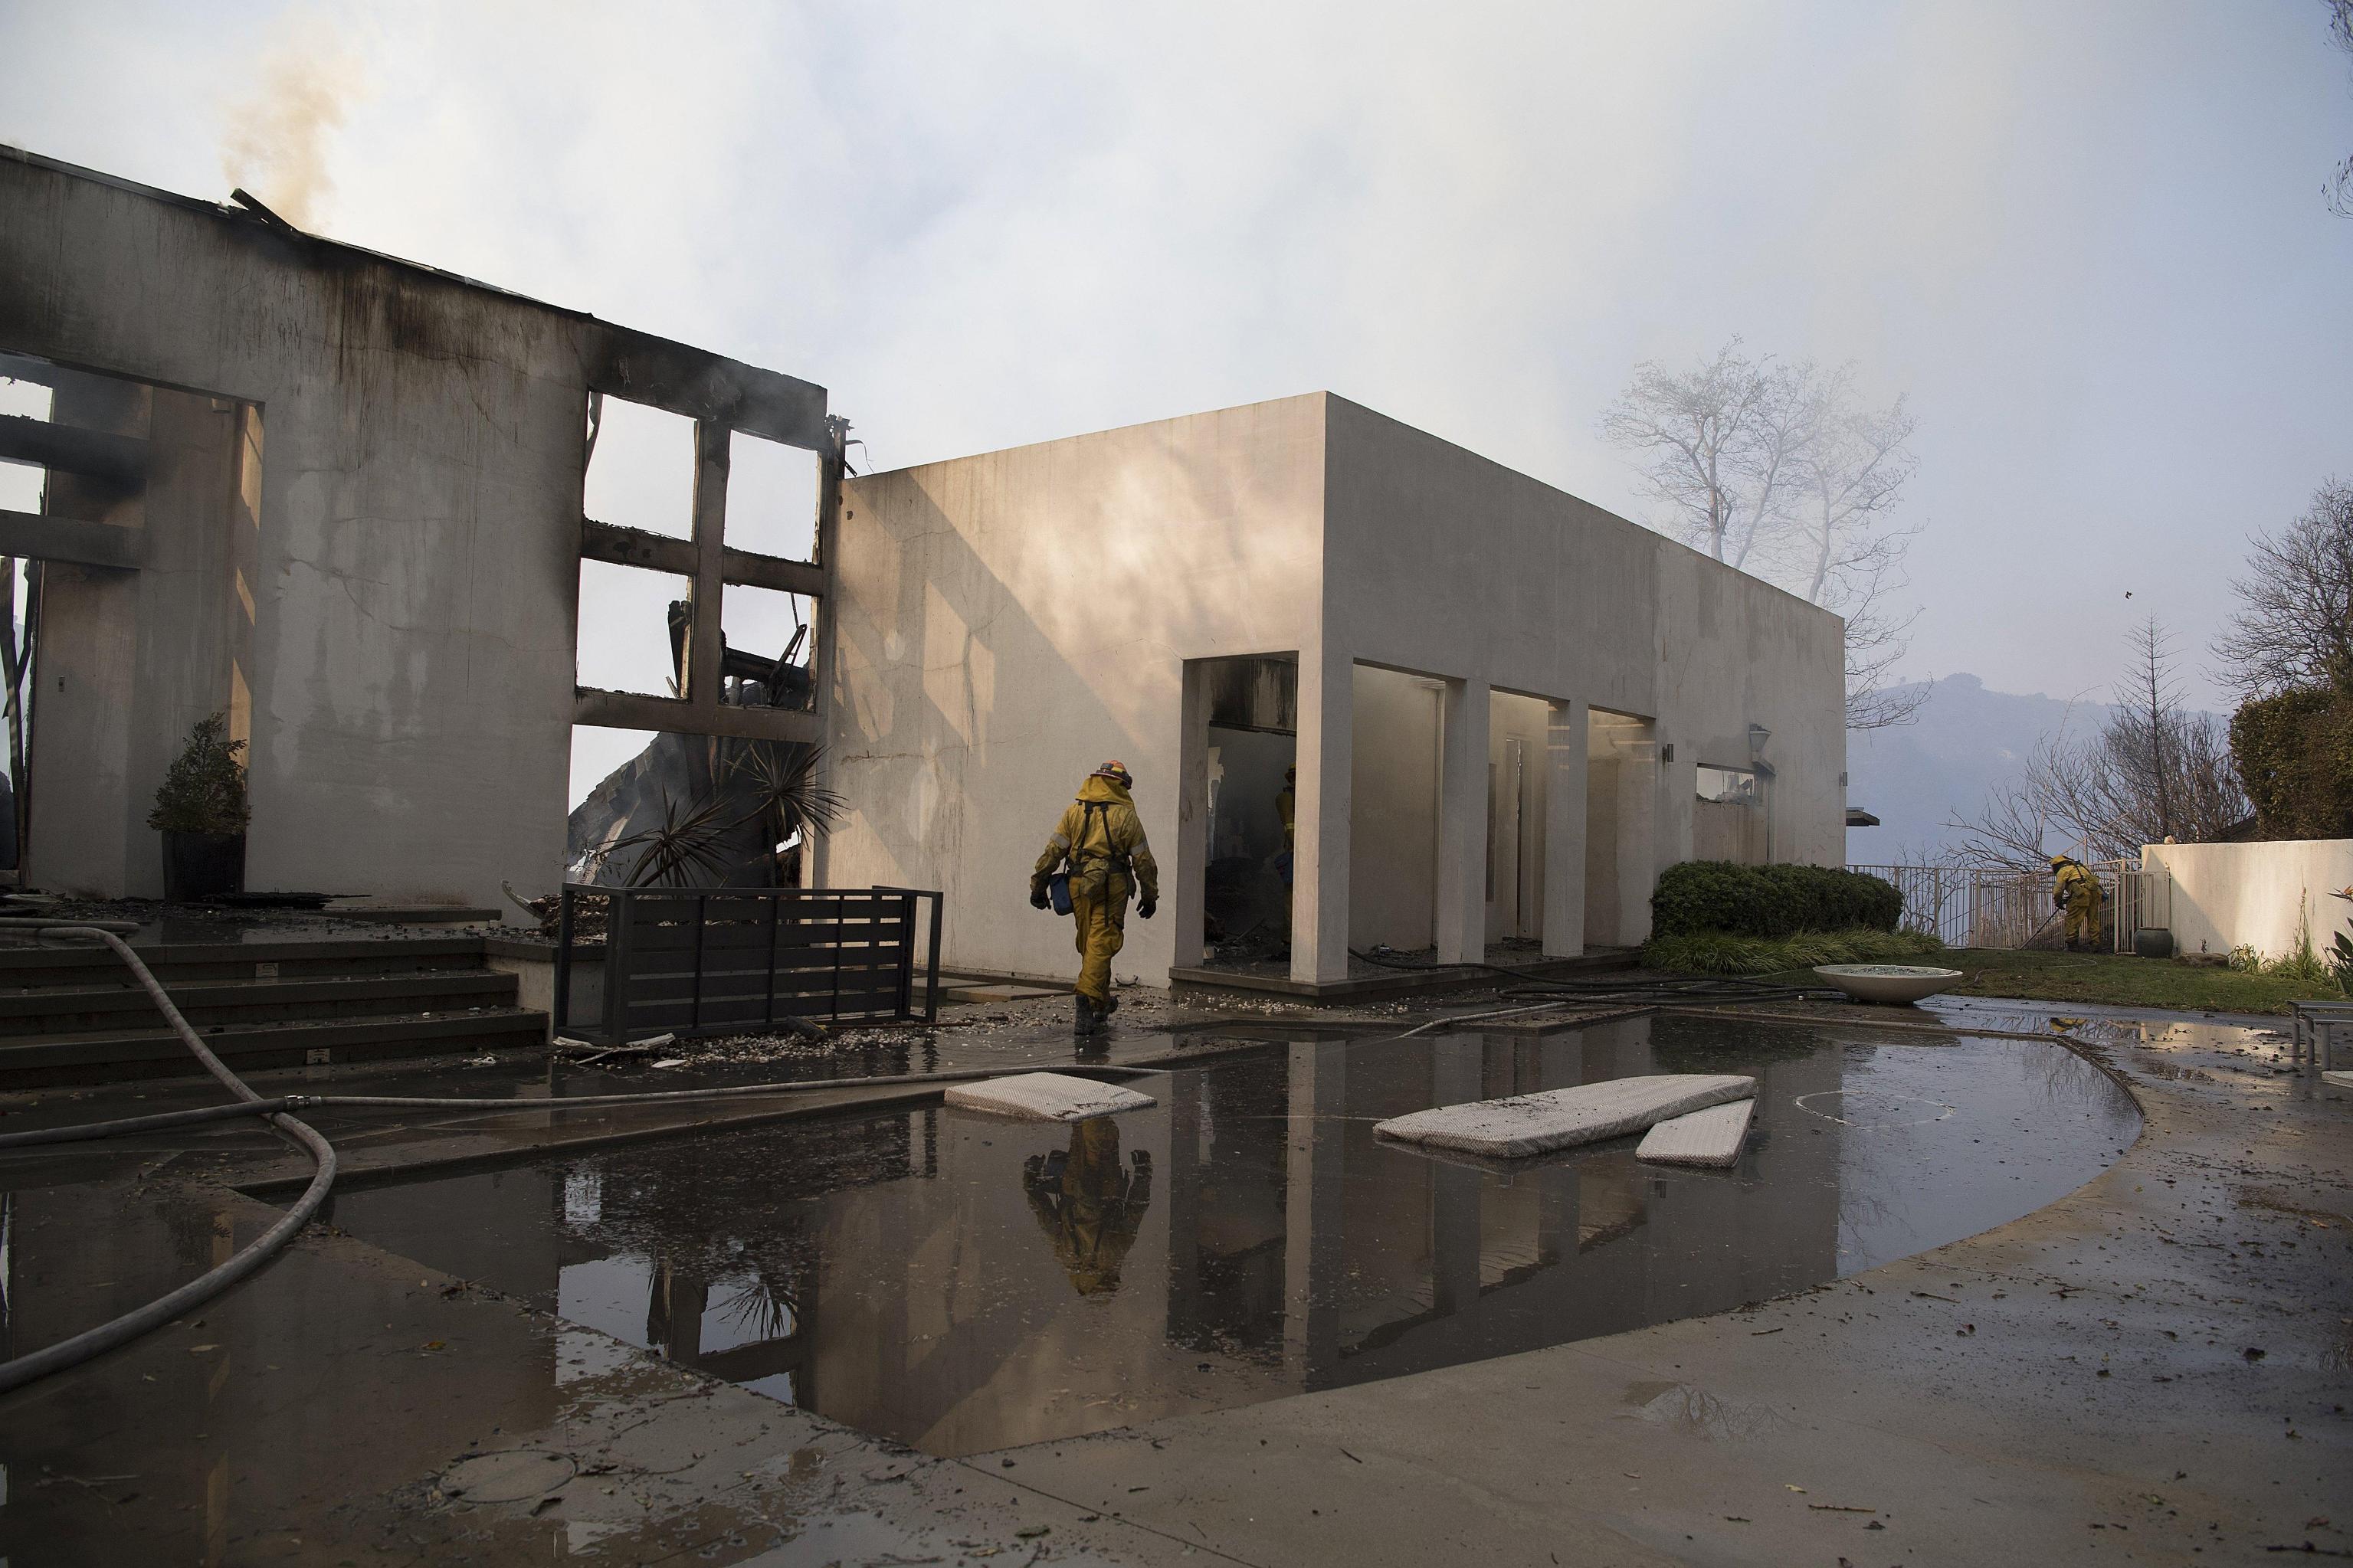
(1916,777)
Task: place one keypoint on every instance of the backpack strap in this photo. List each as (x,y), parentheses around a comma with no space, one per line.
(1111,851)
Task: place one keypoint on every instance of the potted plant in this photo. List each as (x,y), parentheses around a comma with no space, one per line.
(201,812)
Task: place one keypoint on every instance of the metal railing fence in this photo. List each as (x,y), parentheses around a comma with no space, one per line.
(1969,906)
(736,961)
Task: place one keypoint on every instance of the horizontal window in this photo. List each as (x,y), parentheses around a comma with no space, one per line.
(1728,784)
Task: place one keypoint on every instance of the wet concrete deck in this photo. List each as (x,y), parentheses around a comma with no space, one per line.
(2073,1387)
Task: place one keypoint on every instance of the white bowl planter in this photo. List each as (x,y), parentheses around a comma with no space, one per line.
(1887,981)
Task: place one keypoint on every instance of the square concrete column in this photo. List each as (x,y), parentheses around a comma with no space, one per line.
(1564,870)
(1462,825)
(1192,846)
(1639,845)
(1321,797)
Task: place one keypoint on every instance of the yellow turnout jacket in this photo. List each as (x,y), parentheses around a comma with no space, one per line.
(1102,838)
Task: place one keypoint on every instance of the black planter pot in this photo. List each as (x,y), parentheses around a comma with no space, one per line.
(202,865)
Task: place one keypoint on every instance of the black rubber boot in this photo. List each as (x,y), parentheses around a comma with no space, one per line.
(1083,1018)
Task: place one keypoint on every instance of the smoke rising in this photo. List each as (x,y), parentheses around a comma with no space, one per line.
(274,140)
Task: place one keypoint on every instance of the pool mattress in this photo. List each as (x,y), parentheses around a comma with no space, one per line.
(1707,1138)
(1523,1124)
(1046,1096)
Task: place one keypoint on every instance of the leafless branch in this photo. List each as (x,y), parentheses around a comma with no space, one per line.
(2294,625)
(1777,469)
(2152,772)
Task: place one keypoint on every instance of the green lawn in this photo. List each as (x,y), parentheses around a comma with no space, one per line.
(2038,976)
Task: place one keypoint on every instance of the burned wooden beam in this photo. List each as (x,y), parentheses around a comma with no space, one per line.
(701,385)
(41,538)
(632,710)
(662,552)
(95,454)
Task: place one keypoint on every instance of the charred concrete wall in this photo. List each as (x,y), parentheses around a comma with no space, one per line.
(372,564)
(414,566)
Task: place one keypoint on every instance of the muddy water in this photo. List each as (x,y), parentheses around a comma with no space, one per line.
(962,1283)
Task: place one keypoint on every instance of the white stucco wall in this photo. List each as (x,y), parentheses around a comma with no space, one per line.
(1003,623)
(2227,896)
(1444,562)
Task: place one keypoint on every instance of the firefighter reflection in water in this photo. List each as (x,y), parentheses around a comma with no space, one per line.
(1088,1204)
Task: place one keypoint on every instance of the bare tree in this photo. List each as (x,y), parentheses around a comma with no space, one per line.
(1718,440)
(2293,626)
(1779,470)
(2339,188)
(1843,538)
(2154,771)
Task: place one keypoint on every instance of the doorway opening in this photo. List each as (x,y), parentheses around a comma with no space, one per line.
(135,510)
(1250,756)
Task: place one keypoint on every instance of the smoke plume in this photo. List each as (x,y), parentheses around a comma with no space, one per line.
(273,142)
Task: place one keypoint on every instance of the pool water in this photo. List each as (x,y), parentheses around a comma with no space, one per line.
(962,1283)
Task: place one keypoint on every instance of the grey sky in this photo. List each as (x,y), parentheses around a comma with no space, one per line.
(2088,240)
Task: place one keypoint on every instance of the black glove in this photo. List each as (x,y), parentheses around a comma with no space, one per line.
(1143,911)
(1037,898)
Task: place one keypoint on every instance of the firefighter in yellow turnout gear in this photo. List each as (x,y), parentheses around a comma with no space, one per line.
(2075,888)
(1102,840)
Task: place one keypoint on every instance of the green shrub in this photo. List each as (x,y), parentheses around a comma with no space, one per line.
(1722,953)
(205,790)
(2294,756)
(1769,900)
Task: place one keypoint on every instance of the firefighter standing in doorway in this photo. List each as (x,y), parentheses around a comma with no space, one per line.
(2075,888)
(1100,839)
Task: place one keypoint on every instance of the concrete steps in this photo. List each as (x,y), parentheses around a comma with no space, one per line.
(77,1015)
(52,1010)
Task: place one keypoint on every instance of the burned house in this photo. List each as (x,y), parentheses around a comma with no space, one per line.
(1376,690)
(339,497)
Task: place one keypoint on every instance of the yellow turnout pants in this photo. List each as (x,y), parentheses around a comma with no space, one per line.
(2084,915)
(1101,922)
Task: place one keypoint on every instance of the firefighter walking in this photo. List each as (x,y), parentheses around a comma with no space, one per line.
(1100,841)
(2076,889)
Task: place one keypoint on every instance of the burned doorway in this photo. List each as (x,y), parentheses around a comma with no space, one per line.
(1250,754)
(136,509)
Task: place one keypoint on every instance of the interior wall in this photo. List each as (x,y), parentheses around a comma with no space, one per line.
(1393,818)
(1621,827)
(1516,838)
(1245,775)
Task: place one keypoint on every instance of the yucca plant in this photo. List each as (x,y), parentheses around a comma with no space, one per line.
(787,797)
(682,845)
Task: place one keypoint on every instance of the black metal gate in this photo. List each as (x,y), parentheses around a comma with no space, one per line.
(739,961)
